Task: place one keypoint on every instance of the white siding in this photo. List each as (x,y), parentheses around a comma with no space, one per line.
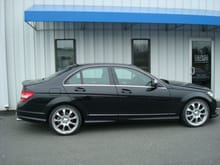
(29,54)
(3,60)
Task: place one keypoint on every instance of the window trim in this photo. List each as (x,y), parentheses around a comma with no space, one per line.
(112,77)
(74,50)
(132,51)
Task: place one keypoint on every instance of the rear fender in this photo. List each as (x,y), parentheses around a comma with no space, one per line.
(63,100)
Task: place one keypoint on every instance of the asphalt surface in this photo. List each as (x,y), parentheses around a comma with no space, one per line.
(128,143)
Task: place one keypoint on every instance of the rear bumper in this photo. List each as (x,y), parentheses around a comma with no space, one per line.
(31,116)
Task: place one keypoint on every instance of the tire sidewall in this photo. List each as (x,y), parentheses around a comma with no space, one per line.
(70,107)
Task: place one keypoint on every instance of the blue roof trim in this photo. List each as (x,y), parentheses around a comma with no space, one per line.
(64,13)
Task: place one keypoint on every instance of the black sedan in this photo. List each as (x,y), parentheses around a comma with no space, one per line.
(109,92)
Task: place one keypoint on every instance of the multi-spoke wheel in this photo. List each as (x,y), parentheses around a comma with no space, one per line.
(195,113)
(65,120)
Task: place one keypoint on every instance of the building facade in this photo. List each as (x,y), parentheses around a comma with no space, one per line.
(167,44)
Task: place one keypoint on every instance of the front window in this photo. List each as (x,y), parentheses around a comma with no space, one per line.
(64,53)
(126,76)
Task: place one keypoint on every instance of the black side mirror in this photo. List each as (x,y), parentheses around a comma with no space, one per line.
(154,83)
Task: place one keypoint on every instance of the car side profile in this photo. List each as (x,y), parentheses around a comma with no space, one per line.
(109,92)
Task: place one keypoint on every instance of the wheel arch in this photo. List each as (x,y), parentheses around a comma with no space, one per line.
(62,101)
(187,99)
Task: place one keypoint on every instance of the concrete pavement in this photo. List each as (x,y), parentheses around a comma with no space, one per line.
(130,143)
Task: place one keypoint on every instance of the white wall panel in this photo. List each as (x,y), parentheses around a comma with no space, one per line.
(3,60)
(162,47)
(154,50)
(171,55)
(10,44)
(19,47)
(108,43)
(29,46)
(98,43)
(179,57)
(217,66)
(126,46)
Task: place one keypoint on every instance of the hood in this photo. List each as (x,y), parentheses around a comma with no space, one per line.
(187,85)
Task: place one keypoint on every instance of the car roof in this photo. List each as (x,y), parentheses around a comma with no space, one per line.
(106,64)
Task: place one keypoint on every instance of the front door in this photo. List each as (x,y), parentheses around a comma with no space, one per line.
(137,95)
(201,52)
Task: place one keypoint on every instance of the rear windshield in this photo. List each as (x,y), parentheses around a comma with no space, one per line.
(60,72)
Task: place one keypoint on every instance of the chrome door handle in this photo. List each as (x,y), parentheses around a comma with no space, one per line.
(126,91)
(79,89)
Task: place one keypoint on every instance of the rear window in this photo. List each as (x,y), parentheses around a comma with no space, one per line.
(60,72)
(94,75)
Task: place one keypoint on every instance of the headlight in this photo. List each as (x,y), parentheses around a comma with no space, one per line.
(210,93)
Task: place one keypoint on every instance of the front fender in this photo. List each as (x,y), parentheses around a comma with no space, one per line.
(194,95)
(198,95)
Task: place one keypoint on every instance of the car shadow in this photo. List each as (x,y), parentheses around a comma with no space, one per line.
(44,129)
(129,125)
(119,126)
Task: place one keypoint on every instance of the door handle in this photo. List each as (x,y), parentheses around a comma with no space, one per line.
(79,89)
(126,91)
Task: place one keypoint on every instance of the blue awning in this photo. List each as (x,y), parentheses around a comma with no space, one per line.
(66,13)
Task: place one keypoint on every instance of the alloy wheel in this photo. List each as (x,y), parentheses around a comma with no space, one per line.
(65,120)
(196,113)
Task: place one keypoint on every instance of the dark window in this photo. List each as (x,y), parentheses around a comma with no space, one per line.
(141,53)
(127,76)
(97,75)
(201,63)
(75,79)
(64,53)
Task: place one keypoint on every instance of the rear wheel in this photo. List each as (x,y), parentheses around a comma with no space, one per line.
(65,120)
(195,113)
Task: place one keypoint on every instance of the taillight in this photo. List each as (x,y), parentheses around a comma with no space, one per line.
(25,95)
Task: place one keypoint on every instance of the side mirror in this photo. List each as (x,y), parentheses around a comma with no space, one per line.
(154,83)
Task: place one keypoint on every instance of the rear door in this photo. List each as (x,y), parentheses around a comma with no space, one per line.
(92,89)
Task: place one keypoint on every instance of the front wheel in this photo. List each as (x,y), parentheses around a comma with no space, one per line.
(195,113)
(65,120)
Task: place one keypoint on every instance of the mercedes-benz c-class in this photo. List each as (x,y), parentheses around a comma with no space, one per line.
(111,92)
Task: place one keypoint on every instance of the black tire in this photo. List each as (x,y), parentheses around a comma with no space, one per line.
(65,120)
(195,113)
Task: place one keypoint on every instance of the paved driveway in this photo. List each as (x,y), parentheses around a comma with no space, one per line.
(139,143)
